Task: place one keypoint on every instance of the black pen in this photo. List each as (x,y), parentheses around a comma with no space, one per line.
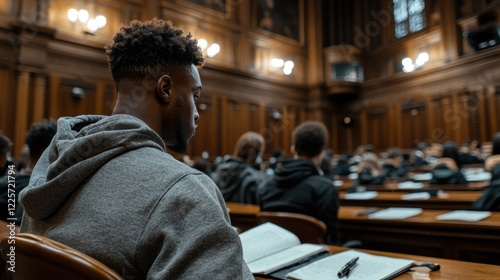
(344,271)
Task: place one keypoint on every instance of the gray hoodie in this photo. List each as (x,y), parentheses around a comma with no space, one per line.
(107,187)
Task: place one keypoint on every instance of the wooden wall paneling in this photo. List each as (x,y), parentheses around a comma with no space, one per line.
(21,120)
(449,32)
(54,88)
(39,94)
(245,117)
(99,98)
(392,127)
(492,111)
(399,125)
(288,124)
(364,128)
(482,115)
(7,102)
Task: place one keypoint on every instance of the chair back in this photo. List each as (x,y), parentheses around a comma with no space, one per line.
(308,229)
(7,229)
(37,257)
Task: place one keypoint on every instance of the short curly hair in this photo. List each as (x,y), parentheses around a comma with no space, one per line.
(309,138)
(146,47)
(39,136)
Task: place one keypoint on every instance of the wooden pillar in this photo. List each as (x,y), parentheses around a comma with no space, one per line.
(39,98)
(364,127)
(225,147)
(482,115)
(99,98)
(398,125)
(288,126)
(449,30)
(22,106)
(492,110)
(54,97)
(431,124)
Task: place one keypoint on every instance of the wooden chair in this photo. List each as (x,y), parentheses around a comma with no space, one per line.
(307,228)
(37,257)
(5,228)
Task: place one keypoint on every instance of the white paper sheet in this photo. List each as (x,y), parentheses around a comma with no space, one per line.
(465,215)
(395,213)
(361,195)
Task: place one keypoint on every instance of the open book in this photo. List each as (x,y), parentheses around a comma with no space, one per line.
(368,266)
(268,247)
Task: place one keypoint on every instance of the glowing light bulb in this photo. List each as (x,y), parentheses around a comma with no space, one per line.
(72,15)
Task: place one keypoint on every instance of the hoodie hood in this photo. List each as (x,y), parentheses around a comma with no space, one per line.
(294,170)
(80,147)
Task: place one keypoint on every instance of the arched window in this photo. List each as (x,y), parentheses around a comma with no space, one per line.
(409,16)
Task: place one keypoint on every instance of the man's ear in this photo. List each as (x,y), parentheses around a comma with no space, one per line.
(163,88)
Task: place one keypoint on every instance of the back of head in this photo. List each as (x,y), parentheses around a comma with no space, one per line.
(249,147)
(5,144)
(309,138)
(450,150)
(143,51)
(39,136)
(393,153)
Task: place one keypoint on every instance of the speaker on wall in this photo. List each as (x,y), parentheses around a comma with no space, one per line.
(483,38)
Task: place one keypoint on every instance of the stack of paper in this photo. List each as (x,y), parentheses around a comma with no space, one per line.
(465,215)
(409,185)
(368,266)
(422,177)
(396,213)
(416,196)
(361,195)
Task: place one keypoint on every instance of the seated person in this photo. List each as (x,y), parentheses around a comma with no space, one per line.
(370,172)
(490,198)
(5,159)
(107,186)
(238,176)
(494,158)
(298,186)
(38,139)
(392,167)
(447,168)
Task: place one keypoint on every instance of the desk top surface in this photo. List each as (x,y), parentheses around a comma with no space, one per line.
(450,269)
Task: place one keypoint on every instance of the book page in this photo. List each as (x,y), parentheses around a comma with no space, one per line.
(368,267)
(265,240)
(284,258)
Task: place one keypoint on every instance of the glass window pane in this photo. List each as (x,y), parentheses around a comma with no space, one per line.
(400,10)
(415,6)
(401,30)
(417,23)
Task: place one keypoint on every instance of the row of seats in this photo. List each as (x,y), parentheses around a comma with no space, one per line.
(37,256)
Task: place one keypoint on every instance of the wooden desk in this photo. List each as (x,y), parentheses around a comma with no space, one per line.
(392,187)
(450,269)
(243,216)
(451,200)
(424,235)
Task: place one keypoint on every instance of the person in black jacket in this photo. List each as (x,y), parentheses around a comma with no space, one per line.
(238,176)
(447,169)
(298,185)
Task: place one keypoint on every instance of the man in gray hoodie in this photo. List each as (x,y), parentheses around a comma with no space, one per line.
(107,187)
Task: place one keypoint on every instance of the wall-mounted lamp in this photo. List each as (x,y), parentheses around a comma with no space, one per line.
(409,66)
(212,51)
(82,17)
(287,65)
